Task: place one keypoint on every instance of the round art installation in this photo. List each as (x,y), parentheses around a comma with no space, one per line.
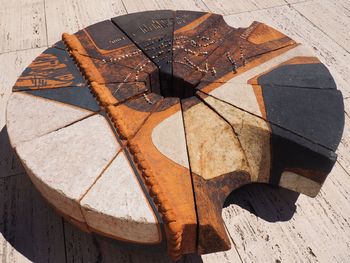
(138,128)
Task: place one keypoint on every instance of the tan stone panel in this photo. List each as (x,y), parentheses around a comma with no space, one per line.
(300,184)
(214,149)
(117,206)
(253,134)
(169,138)
(29,117)
(239,94)
(65,163)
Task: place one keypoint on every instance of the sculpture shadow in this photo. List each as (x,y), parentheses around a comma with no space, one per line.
(270,203)
(33,230)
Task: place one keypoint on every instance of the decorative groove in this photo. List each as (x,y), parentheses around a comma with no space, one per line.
(105,98)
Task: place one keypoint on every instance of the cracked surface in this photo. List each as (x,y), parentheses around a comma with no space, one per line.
(196,108)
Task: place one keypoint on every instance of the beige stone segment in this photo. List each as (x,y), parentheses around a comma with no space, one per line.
(29,116)
(169,138)
(117,206)
(238,94)
(213,147)
(300,184)
(64,164)
(253,134)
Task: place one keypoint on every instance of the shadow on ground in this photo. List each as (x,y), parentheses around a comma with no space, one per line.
(267,202)
(33,230)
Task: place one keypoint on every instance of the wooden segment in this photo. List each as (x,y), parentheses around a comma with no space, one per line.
(152,32)
(263,63)
(300,184)
(108,43)
(169,183)
(81,151)
(54,68)
(193,43)
(129,117)
(213,147)
(240,50)
(216,158)
(104,40)
(29,117)
(116,93)
(106,210)
(110,69)
(104,72)
(185,19)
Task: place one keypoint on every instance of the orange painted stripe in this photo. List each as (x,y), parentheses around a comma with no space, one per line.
(193,24)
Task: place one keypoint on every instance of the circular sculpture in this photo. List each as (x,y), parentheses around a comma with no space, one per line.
(139,127)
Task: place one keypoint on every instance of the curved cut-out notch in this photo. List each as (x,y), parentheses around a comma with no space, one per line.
(218,166)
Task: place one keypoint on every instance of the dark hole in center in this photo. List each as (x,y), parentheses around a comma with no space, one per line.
(173,86)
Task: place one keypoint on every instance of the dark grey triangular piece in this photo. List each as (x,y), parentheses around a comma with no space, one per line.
(299,75)
(315,114)
(77,96)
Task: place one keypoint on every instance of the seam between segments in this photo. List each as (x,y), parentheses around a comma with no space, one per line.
(270,122)
(192,182)
(173,226)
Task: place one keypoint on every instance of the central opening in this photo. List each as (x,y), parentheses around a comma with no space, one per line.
(173,86)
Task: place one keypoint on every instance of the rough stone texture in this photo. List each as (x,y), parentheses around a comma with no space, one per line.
(63,164)
(169,138)
(117,206)
(213,147)
(239,94)
(38,117)
(253,134)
